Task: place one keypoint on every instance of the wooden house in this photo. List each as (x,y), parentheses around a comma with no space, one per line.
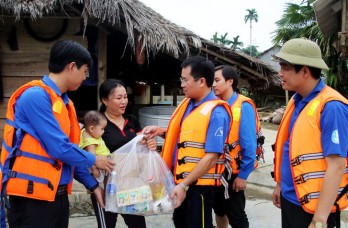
(126,39)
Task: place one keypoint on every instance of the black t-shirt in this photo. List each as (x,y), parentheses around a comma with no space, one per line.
(115,138)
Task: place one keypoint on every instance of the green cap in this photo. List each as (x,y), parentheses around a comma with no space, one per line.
(301,51)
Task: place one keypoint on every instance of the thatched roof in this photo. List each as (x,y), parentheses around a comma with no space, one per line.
(144,24)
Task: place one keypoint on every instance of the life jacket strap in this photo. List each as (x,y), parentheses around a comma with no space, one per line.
(225,184)
(18,153)
(231,146)
(191,144)
(306,157)
(312,175)
(183,175)
(188,159)
(315,195)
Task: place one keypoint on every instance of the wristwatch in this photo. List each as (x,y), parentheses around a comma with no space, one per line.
(318,224)
(184,186)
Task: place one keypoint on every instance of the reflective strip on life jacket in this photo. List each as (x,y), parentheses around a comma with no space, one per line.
(188,159)
(306,157)
(312,175)
(190,144)
(315,195)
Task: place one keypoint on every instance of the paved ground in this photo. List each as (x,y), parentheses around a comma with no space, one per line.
(259,208)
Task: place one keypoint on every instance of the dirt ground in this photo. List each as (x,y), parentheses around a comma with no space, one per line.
(270,126)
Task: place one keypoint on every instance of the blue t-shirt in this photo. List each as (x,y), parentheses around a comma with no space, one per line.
(334,136)
(219,120)
(33,113)
(247,137)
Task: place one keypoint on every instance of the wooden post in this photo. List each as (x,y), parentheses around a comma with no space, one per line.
(102,60)
(286,97)
(344,16)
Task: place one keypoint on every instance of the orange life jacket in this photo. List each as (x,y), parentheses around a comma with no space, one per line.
(308,164)
(234,147)
(190,135)
(27,169)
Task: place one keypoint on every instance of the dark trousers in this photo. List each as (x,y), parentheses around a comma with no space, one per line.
(108,219)
(28,213)
(293,216)
(196,207)
(233,207)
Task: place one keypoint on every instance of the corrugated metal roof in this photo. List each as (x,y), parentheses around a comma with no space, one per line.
(328,13)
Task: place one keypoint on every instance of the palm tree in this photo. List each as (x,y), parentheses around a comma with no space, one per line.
(215,38)
(300,21)
(251,50)
(251,16)
(221,40)
(236,44)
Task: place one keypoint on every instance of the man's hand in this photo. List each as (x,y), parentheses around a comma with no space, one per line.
(239,184)
(102,162)
(150,143)
(152,131)
(276,196)
(178,195)
(99,195)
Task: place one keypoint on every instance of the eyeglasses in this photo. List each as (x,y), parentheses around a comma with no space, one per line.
(183,80)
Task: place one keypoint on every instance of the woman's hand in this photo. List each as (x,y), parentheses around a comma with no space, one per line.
(96,173)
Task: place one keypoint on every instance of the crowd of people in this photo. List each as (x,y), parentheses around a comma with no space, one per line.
(211,144)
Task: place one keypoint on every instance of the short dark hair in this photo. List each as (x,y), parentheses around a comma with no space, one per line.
(92,118)
(316,72)
(229,72)
(107,88)
(200,67)
(64,52)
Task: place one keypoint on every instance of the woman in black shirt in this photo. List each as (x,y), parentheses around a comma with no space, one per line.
(120,129)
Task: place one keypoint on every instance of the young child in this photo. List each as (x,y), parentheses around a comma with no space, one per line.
(91,140)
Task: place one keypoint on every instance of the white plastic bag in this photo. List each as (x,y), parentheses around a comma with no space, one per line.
(140,182)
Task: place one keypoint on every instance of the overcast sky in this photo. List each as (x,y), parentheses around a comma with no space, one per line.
(205,17)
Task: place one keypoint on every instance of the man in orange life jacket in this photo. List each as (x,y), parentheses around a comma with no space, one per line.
(193,144)
(242,149)
(40,152)
(312,142)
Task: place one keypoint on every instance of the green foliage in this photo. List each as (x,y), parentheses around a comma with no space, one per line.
(234,44)
(251,16)
(300,21)
(254,52)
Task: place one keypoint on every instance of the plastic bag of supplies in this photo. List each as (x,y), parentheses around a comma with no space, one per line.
(140,183)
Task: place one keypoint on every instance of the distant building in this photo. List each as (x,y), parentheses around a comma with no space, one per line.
(267,55)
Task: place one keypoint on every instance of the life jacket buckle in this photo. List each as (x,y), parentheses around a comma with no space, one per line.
(182,145)
(57,165)
(50,185)
(30,189)
(12,174)
(260,140)
(305,199)
(17,152)
(299,179)
(182,161)
(296,161)
(179,176)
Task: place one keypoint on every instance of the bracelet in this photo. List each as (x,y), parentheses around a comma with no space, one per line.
(94,188)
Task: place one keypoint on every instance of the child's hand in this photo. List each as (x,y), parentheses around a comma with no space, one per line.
(96,173)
